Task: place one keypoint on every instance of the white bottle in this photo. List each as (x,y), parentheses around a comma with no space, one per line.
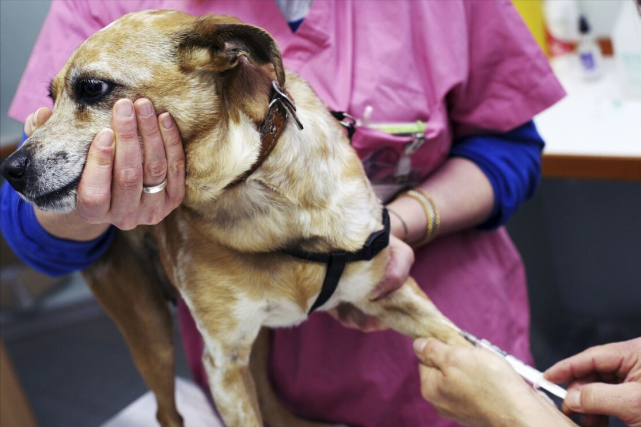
(561,17)
(588,51)
(626,41)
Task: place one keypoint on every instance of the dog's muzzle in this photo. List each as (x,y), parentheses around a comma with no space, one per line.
(22,172)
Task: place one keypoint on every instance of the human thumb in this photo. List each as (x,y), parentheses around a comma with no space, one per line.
(419,346)
(431,352)
(620,400)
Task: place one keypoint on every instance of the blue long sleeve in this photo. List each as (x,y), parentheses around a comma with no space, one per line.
(39,249)
(512,163)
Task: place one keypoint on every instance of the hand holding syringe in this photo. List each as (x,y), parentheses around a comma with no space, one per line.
(530,374)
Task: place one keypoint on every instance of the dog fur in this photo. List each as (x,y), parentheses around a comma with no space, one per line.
(220,248)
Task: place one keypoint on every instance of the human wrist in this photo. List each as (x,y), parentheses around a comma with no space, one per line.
(398,225)
(418,217)
(526,408)
(413,217)
(69,226)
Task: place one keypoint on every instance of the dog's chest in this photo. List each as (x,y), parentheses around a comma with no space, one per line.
(356,283)
(273,314)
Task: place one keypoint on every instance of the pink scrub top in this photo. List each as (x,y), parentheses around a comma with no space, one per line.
(461,67)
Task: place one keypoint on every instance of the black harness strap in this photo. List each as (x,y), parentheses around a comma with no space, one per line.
(347,121)
(336,261)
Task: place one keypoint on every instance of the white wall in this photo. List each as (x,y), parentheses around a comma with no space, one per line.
(601,14)
(20,23)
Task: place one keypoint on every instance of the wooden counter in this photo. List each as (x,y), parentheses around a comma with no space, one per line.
(595,132)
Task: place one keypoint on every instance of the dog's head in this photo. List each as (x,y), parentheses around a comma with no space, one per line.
(212,74)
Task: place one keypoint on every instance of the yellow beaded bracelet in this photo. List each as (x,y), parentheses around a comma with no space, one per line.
(436,225)
(431,212)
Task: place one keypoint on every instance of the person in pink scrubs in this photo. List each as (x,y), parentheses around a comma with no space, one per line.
(465,69)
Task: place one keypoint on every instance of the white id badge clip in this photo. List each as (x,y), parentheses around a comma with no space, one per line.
(404,166)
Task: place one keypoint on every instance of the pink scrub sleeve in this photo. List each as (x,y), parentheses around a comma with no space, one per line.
(509,79)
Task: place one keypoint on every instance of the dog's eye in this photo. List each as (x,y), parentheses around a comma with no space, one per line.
(92,90)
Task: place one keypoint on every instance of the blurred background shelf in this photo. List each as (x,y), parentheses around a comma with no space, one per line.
(595,131)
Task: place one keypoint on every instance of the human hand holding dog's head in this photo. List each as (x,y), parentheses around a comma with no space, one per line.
(119,163)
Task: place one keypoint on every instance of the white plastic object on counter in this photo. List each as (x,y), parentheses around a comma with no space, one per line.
(561,17)
(589,51)
(626,41)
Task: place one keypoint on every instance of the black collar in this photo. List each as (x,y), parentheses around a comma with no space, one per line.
(281,106)
(336,261)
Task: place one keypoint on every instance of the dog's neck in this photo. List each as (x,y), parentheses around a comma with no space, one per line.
(281,107)
(309,187)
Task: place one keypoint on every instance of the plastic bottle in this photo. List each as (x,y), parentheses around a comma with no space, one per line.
(588,51)
(561,30)
(626,41)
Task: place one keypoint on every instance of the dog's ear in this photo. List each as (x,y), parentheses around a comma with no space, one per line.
(243,58)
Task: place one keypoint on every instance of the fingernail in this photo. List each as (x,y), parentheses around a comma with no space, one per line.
(105,138)
(419,345)
(166,121)
(145,109)
(573,399)
(34,118)
(124,108)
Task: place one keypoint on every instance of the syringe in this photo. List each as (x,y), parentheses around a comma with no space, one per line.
(531,375)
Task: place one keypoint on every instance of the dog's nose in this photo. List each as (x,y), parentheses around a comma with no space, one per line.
(14,169)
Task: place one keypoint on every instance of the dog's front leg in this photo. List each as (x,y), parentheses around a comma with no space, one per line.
(229,323)
(231,383)
(409,311)
(127,287)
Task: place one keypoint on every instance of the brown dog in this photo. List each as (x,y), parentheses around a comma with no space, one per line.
(258,190)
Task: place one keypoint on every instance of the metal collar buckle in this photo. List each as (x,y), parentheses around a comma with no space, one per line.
(285,102)
(280,107)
